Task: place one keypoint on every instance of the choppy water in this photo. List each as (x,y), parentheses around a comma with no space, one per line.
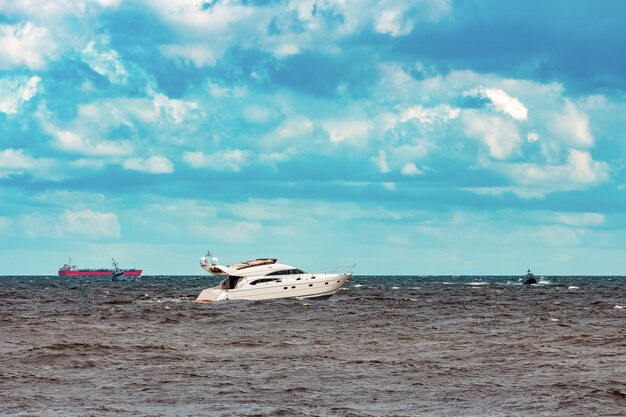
(383,346)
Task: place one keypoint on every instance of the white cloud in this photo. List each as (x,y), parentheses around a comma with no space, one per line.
(50,10)
(85,224)
(103,114)
(282,30)
(95,121)
(16,162)
(581,219)
(89,224)
(293,128)
(263,210)
(199,55)
(88,163)
(292,211)
(108,3)
(35,225)
(220,92)
(257,114)
(175,110)
(408,153)
(26,45)
(75,199)
(73,142)
(104,61)
(411,169)
(230,231)
(13,161)
(285,49)
(507,104)
(112,128)
(572,126)
(152,165)
(393,22)
(585,170)
(380,160)
(500,135)
(17,91)
(579,172)
(190,15)
(274,157)
(442,113)
(226,160)
(532,136)
(223,23)
(354,131)
(502,102)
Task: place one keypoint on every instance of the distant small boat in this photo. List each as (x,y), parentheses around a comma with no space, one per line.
(117,274)
(69,270)
(530,278)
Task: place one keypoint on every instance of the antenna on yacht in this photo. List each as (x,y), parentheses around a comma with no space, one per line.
(208,258)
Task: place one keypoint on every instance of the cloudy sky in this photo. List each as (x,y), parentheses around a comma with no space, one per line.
(410,137)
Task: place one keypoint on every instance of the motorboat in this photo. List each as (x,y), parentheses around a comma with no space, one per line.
(265,279)
(117,274)
(530,278)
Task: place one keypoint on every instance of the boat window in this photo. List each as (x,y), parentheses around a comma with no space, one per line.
(283,272)
(287,272)
(261,280)
(310,285)
(232,281)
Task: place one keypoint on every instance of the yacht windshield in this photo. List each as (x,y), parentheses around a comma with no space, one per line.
(287,272)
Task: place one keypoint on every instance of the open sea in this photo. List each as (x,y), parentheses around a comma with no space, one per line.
(382,346)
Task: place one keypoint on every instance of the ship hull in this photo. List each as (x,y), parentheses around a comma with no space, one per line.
(302,286)
(99,273)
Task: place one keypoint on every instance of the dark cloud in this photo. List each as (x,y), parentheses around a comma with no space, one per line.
(578,43)
(321,74)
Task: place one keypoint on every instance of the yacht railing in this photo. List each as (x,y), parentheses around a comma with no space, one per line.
(346,269)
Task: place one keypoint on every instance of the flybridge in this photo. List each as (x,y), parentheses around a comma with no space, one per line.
(256,262)
(209,259)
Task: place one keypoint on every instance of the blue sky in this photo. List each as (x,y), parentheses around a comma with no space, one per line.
(423,137)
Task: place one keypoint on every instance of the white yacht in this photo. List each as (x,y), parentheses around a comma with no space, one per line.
(265,278)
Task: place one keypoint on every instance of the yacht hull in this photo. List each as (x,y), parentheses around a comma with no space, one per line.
(304,286)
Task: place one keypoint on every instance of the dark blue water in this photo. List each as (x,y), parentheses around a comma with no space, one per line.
(383,346)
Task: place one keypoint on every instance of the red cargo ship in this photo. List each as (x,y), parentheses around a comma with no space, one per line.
(69,270)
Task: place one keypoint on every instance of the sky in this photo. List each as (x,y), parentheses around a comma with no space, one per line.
(425,137)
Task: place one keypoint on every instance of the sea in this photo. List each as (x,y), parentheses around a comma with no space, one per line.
(382,346)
